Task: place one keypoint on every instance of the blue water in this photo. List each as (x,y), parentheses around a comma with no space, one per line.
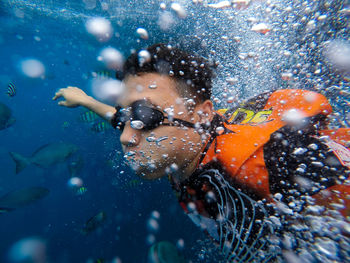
(59,218)
(54,33)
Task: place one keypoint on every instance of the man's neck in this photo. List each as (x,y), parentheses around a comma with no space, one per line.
(188,170)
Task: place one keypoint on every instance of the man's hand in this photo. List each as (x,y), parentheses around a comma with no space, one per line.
(73,96)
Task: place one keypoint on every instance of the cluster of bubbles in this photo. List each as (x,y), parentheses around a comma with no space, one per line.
(264,45)
(319,234)
(102,30)
(152,227)
(107,89)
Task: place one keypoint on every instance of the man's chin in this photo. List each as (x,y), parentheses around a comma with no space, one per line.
(149,172)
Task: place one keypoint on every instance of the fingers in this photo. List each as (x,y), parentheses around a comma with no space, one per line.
(62,103)
(69,94)
(58,94)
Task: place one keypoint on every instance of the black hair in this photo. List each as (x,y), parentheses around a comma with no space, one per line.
(193,71)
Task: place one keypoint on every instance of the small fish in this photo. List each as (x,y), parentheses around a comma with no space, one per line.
(11,90)
(164,252)
(101,126)
(65,125)
(88,116)
(94,222)
(20,198)
(81,190)
(4,210)
(128,185)
(133,183)
(101,74)
(98,260)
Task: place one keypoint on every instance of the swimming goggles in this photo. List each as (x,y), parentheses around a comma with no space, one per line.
(143,116)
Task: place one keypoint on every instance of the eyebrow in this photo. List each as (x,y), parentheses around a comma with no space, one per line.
(151,103)
(147,99)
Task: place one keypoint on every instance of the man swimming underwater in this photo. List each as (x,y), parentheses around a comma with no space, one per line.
(237,171)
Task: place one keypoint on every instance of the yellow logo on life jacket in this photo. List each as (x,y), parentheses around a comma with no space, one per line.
(245,116)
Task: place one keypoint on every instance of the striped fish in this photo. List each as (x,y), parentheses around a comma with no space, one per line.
(101,126)
(81,190)
(101,74)
(88,116)
(11,90)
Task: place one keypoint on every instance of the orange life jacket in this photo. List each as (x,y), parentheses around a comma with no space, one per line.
(240,151)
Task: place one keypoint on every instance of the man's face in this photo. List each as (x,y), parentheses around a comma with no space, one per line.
(153,153)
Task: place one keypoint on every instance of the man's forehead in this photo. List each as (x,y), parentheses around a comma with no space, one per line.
(151,103)
(148,79)
(159,91)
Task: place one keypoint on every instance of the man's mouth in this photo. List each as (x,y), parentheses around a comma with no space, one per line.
(133,159)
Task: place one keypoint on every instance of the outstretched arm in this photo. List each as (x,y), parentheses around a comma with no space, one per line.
(74,97)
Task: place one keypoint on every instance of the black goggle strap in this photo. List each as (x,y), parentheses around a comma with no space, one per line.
(115,120)
(178,122)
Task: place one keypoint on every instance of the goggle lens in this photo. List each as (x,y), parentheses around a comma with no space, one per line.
(138,112)
(143,116)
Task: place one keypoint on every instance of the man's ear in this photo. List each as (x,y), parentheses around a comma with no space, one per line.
(205,111)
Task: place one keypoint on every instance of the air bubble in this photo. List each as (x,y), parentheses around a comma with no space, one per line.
(112,58)
(75,182)
(32,68)
(166,21)
(142,33)
(152,225)
(179,10)
(137,125)
(155,214)
(144,56)
(100,28)
(107,90)
(261,28)
(219,130)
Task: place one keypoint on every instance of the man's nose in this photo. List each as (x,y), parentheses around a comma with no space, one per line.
(130,136)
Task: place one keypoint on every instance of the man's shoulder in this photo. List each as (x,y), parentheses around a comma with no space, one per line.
(256,110)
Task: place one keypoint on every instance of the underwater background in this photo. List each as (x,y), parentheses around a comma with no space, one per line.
(297,46)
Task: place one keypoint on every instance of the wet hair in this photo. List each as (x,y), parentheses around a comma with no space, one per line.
(192,74)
